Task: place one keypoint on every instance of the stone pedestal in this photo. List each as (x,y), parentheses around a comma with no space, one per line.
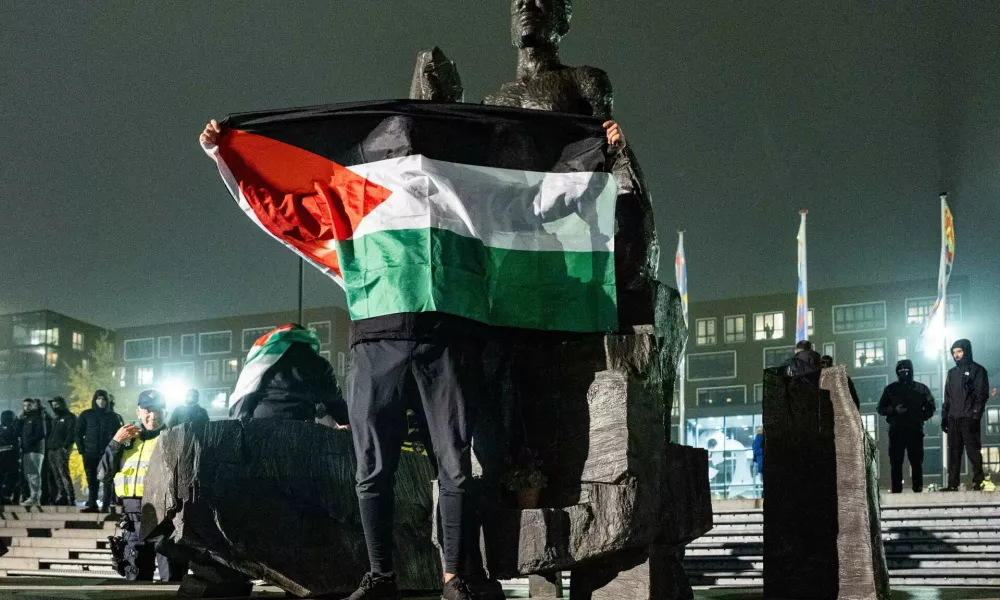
(822,536)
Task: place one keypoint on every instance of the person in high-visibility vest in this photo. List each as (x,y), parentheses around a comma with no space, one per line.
(125,461)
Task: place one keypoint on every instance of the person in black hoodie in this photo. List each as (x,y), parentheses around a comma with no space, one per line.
(191,412)
(94,429)
(906,404)
(965,394)
(60,446)
(33,428)
(10,450)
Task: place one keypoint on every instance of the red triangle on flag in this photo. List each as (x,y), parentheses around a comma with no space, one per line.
(302,198)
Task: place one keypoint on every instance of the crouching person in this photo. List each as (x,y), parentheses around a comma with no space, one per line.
(126,460)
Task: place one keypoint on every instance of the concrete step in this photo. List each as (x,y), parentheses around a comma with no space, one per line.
(29,552)
(52,573)
(45,532)
(59,516)
(57,542)
(17,508)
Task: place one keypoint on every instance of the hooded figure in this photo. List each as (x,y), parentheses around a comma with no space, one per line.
(965,394)
(191,412)
(33,427)
(94,429)
(906,404)
(60,445)
(10,466)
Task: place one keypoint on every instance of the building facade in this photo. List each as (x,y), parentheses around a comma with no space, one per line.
(866,328)
(37,351)
(208,355)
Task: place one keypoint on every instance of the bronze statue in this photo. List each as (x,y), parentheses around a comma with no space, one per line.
(596,407)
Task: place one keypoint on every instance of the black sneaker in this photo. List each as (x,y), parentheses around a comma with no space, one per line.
(458,589)
(949,489)
(487,589)
(88,509)
(376,586)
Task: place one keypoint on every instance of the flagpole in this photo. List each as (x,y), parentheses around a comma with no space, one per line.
(944,343)
(805,281)
(302,276)
(681,424)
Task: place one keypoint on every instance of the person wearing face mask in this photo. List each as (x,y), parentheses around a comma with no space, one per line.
(965,394)
(125,461)
(94,429)
(906,404)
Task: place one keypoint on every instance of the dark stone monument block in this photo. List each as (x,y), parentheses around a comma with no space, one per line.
(821,518)
(275,500)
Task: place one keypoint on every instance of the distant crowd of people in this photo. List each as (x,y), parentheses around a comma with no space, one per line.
(36,447)
(907,404)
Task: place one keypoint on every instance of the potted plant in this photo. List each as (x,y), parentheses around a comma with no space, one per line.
(524,476)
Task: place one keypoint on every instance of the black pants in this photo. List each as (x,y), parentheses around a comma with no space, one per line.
(964,433)
(142,557)
(61,483)
(90,464)
(10,478)
(385,377)
(908,443)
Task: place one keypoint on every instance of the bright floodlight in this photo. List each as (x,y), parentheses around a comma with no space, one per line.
(175,391)
(934,338)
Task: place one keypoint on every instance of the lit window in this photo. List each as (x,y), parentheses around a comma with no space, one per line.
(993,421)
(52,359)
(769,326)
(758,393)
(901,353)
(810,319)
(187,344)
(85,363)
(230,369)
(869,316)
(216,397)
(77,341)
(991,460)
(869,353)
(144,376)
(706,332)
(830,349)
(211,371)
(322,330)
(721,396)
(164,346)
(123,377)
(215,342)
(918,309)
(736,329)
(871,425)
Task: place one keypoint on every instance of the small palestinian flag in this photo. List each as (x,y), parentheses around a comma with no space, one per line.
(504,216)
(266,351)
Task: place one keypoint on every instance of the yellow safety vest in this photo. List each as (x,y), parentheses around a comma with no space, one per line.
(989,486)
(135,462)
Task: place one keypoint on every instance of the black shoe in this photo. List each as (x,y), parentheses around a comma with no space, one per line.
(949,489)
(88,509)
(486,589)
(978,487)
(376,586)
(458,589)
(918,490)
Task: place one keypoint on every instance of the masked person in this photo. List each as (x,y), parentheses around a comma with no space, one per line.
(60,446)
(191,412)
(33,427)
(125,460)
(906,404)
(965,394)
(10,464)
(94,429)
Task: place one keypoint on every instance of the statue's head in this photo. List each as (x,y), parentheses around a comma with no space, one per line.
(539,22)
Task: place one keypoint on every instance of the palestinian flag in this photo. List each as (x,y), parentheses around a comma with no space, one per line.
(263,355)
(504,216)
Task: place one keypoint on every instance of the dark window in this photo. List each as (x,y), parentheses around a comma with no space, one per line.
(711,365)
(143,349)
(859,317)
(722,396)
(775,357)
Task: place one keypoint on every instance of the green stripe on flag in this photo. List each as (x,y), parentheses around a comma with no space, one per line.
(421,270)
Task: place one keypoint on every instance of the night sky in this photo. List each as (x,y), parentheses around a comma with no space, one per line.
(741,113)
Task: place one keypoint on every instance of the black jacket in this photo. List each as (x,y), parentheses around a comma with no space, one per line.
(967,388)
(94,429)
(188,413)
(111,459)
(63,431)
(426,327)
(293,387)
(33,428)
(9,441)
(915,397)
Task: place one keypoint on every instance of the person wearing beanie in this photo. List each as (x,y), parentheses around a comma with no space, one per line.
(965,394)
(906,404)
(125,461)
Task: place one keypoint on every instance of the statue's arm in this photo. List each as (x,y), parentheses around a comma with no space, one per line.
(436,78)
